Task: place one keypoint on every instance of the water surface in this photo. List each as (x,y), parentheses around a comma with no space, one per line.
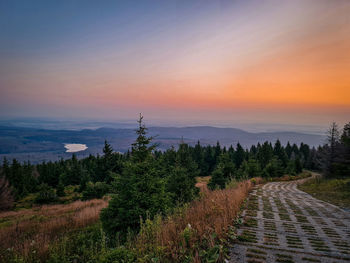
(74,147)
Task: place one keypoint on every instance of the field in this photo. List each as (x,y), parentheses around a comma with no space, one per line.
(33,230)
(335,191)
(73,232)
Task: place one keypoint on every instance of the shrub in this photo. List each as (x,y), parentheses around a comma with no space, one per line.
(196,232)
(60,190)
(45,195)
(118,255)
(97,190)
(224,171)
(273,168)
(6,197)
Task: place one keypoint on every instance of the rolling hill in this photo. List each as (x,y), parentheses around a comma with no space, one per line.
(38,145)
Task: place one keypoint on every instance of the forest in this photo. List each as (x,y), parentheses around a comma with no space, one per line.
(175,168)
(147,184)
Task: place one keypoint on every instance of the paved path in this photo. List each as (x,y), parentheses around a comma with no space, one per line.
(283,224)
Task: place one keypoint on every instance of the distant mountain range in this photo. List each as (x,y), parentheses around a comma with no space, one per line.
(38,145)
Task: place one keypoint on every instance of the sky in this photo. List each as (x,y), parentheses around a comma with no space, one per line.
(185,62)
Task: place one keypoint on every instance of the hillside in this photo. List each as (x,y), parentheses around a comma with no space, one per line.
(42,144)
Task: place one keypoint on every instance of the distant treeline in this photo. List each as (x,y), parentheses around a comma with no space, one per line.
(260,160)
(172,171)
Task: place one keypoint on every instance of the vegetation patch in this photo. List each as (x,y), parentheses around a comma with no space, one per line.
(251,222)
(289,228)
(268,215)
(285,217)
(247,236)
(282,258)
(309,229)
(269,225)
(332,190)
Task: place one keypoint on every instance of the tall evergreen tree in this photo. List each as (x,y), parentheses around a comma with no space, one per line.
(280,153)
(329,151)
(265,154)
(223,172)
(140,190)
(239,155)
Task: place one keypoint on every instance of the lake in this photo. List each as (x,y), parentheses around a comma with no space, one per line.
(74,147)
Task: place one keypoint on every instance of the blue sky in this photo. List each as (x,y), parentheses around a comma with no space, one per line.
(182,61)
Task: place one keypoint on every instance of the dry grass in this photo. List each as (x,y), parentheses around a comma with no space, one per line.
(189,231)
(31,230)
(212,214)
(287,177)
(202,182)
(335,191)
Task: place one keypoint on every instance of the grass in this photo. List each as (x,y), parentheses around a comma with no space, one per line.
(286,178)
(199,228)
(71,195)
(29,231)
(202,182)
(335,191)
(197,232)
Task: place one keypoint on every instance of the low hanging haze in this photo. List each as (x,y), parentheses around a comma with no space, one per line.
(220,63)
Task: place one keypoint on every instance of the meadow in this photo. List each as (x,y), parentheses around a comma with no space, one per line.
(333,190)
(28,233)
(63,232)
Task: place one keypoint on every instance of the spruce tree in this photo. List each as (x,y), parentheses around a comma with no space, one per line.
(239,155)
(182,179)
(140,190)
(280,153)
(224,171)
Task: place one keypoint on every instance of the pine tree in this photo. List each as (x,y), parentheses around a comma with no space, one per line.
(60,189)
(224,171)
(288,150)
(280,153)
(273,168)
(341,161)
(265,154)
(298,166)
(198,157)
(251,168)
(239,155)
(181,185)
(140,190)
(74,173)
(329,151)
(182,178)
(345,141)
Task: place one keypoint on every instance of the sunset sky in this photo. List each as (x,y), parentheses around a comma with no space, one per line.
(191,62)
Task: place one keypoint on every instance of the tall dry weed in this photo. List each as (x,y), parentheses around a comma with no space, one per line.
(197,226)
(33,230)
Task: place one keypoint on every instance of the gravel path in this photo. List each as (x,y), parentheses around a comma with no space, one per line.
(283,224)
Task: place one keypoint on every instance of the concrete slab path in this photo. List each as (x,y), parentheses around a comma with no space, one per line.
(283,224)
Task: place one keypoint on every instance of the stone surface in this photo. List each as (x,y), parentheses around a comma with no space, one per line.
(284,224)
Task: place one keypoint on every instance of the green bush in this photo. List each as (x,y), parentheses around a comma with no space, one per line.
(118,255)
(60,190)
(45,195)
(84,245)
(95,190)
(273,169)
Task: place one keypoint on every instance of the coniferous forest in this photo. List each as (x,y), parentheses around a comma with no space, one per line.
(173,170)
(146,184)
